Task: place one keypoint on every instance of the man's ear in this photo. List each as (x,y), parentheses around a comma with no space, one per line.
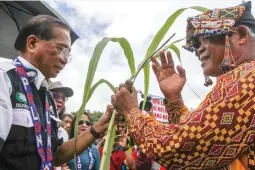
(32,40)
(242,33)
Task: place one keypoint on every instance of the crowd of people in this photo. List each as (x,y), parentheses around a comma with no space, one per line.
(125,154)
(36,132)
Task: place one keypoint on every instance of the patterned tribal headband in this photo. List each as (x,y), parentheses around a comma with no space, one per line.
(218,22)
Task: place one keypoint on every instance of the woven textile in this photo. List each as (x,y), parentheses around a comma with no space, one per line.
(220,130)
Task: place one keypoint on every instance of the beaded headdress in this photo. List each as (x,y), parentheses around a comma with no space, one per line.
(219,22)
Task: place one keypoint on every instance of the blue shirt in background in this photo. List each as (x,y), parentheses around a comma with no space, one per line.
(84,156)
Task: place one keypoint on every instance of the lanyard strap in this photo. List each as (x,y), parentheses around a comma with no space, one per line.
(91,160)
(46,160)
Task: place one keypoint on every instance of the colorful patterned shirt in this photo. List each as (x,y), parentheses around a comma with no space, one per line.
(218,132)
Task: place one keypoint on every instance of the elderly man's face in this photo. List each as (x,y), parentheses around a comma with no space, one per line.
(211,53)
(49,55)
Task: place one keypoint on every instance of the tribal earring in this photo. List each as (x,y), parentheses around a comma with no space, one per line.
(208,81)
(228,62)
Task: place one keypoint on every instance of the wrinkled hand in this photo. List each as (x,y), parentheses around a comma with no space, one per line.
(102,124)
(170,83)
(124,101)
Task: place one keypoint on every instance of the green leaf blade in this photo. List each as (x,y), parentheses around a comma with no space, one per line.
(88,90)
(128,53)
(146,71)
(158,38)
(177,52)
(90,76)
(108,145)
(101,81)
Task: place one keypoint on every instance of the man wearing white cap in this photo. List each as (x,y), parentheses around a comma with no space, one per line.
(60,95)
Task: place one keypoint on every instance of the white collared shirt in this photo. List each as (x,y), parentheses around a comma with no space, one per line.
(8,115)
(39,78)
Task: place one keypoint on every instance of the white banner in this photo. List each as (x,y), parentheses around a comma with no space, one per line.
(159,109)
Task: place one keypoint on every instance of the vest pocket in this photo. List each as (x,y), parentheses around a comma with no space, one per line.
(22,117)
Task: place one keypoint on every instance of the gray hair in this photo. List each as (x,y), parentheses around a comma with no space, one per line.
(41,26)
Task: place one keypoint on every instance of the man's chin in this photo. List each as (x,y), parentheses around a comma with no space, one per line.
(207,71)
(211,72)
(50,75)
(54,75)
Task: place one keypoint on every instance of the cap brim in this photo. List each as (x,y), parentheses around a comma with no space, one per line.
(66,90)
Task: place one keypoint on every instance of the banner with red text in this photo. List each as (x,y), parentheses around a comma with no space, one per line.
(159,109)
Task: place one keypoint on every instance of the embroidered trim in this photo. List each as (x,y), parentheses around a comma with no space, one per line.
(212,23)
(173,109)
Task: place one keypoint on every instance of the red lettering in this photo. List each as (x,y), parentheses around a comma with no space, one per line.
(154,108)
(156,101)
(162,102)
(161,109)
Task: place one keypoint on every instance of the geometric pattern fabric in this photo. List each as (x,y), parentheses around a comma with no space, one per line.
(220,130)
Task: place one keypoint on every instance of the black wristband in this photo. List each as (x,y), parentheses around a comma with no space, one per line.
(94,133)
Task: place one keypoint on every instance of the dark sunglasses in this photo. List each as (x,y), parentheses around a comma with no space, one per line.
(57,96)
(88,123)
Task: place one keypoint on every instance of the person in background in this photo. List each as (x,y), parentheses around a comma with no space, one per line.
(89,159)
(60,95)
(121,159)
(121,127)
(121,132)
(67,122)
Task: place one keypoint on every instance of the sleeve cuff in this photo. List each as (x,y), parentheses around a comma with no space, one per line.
(133,112)
(1,144)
